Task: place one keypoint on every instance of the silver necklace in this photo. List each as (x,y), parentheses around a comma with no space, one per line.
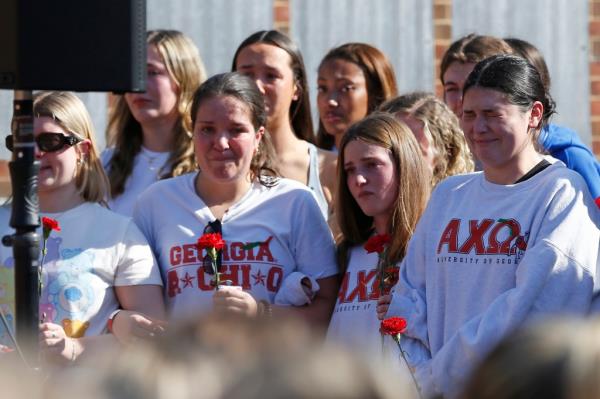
(150,159)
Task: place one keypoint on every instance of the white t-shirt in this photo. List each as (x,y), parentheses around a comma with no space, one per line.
(95,251)
(148,166)
(354,321)
(269,233)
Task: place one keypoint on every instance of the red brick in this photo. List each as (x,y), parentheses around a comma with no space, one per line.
(595,46)
(596,129)
(595,68)
(595,87)
(443,31)
(595,9)
(594,28)
(595,108)
(439,51)
(442,11)
(282,13)
(596,147)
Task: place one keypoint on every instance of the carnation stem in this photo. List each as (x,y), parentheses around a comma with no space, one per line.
(41,277)
(397,339)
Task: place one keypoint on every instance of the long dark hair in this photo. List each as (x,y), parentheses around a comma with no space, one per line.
(300,117)
(379,76)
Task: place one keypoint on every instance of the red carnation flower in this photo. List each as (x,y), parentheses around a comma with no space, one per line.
(393,326)
(377,243)
(211,240)
(48,225)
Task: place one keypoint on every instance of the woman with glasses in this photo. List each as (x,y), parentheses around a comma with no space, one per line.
(99,261)
(272,227)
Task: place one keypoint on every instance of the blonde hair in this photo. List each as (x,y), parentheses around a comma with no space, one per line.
(451,152)
(183,63)
(67,110)
(413,178)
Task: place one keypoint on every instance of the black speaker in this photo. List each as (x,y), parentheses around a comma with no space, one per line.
(80,45)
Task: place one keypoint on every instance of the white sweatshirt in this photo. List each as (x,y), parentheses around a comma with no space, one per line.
(484,259)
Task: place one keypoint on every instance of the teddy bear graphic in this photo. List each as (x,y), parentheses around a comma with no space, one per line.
(70,291)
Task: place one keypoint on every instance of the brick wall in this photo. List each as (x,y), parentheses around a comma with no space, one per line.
(281,15)
(442,35)
(594,46)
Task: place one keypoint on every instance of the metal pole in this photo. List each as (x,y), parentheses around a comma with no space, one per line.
(25,220)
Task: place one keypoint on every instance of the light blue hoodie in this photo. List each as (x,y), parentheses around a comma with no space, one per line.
(564,144)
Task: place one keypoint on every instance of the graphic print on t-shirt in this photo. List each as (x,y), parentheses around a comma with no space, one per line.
(246,264)
(68,295)
(477,241)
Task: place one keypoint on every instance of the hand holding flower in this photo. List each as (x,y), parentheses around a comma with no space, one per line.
(235,300)
(383,304)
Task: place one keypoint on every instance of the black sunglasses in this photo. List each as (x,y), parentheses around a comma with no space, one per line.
(212,228)
(48,142)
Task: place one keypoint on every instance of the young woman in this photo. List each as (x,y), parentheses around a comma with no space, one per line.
(99,261)
(497,248)
(274,62)
(460,59)
(383,187)
(437,131)
(559,141)
(353,80)
(149,133)
(272,227)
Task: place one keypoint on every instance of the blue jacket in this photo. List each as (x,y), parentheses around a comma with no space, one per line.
(564,144)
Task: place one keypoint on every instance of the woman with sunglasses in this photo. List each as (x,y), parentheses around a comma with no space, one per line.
(148,133)
(99,261)
(271,226)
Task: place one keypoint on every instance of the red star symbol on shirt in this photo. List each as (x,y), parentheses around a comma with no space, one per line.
(259,278)
(187,280)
